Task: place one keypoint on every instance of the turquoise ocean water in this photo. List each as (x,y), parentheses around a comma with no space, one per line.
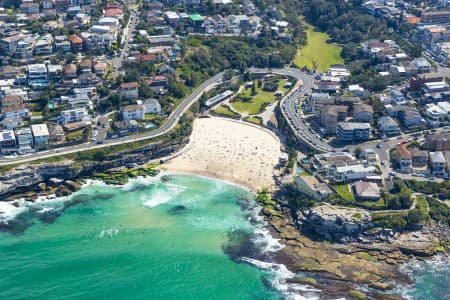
(160,240)
(185,238)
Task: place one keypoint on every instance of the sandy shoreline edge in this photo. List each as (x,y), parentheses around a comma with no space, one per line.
(231,151)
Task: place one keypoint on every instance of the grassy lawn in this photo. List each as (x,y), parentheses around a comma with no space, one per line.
(254,120)
(225,111)
(258,101)
(319,51)
(75,135)
(344,191)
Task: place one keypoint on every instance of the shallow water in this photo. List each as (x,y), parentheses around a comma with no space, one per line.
(147,240)
(187,238)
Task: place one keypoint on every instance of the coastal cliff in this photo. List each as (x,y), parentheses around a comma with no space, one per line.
(32,179)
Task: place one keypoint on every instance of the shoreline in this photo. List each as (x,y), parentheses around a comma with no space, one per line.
(224,149)
(328,285)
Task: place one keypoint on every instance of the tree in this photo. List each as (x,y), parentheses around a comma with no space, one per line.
(253,89)
(415,217)
(99,155)
(358,152)
(405,199)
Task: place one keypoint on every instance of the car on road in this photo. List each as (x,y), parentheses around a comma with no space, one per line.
(392,173)
(379,146)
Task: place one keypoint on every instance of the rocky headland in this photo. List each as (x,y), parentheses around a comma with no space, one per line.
(345,253)
(30,181)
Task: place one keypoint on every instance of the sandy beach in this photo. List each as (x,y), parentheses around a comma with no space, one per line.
(233,151)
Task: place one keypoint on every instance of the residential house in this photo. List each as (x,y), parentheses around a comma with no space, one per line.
(24,140)
(439,141)
(350,173)
(417,81)
(29,8)
(435,87)
(77,101)
(419,158)
(152,106)
(114,12)
(310,186)
(349,132)
(322,162)
(438,164)
(56,133)
(350,101)
(438,113)
(75,115)
(55,72)
(397,97)
(100,68)
(10,72)
(161,40)
(435,17)
(388,126)
(76,43)
(165,69)
(404,158)
(62,44)
(41,134)
(37,75)
(422,65)
(366,191)
(127,126)
(70,71)
(132,112)
(88,79)
(362,113)
(129,90)
(317,100)
(85,66)
(12,111)
(410,117)
(9,44)
(44,45)
(7,141)
(330,115)
(159,84)
(327,86)
(25,47)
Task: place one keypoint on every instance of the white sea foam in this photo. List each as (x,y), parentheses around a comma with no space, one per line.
(159,196)
(280,275)
(438,263)
(108,233)
(9,212)
(265,241)
(94,182)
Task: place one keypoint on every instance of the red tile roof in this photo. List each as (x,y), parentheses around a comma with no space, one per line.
(403,152)
(113,12)
(127,85)
(74,39)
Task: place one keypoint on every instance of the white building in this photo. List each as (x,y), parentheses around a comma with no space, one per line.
(438,113)
(7,141)
(40,134)
(152,106)
(350,173)
(132,112)
(75,115)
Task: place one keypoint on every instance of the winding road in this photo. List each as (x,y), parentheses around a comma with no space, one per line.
(305,83)
(172,121)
